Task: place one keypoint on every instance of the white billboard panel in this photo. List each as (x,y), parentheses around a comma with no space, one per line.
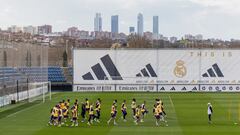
(93,87)
(160,67)
(136,87)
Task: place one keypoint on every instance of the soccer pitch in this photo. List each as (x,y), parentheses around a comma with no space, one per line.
(186,115)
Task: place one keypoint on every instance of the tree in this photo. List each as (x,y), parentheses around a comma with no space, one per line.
(136,41)
(5,59)
(116,46)
(39,60)
(65,59)
(29,59)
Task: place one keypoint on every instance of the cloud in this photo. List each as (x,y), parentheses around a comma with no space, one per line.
(220,3)
(222,6)
(212,18)
(5,11)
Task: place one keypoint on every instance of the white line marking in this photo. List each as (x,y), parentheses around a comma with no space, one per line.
(10,115)
(180,128)
(171,102)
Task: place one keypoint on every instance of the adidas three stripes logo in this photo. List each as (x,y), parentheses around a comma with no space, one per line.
(99,72)
(214,71)
(147,72)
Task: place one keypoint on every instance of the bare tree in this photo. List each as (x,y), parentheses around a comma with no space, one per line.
(5,59)
(136,41)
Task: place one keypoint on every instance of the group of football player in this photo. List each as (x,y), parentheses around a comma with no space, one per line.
(60,113)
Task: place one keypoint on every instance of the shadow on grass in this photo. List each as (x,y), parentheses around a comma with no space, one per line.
(5,113)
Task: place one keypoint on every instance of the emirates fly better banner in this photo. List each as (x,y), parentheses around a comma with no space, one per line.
(156,70)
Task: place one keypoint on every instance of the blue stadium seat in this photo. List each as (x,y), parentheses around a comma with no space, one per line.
(9,76)
(70,70)
(53,74)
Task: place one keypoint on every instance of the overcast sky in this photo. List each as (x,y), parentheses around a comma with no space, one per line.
(212,18)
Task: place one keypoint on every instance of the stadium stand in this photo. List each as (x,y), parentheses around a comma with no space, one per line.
(55,74)
(70,70)
(12,78)
(37,74)
(9,76)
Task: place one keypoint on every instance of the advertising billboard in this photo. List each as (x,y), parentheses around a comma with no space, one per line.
(165,70)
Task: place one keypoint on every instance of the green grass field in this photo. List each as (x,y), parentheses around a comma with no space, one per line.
(187,115)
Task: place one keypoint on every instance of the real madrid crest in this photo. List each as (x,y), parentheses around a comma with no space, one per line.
(180,70)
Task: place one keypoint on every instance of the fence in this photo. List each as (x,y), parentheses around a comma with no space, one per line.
(35,91)
(22,65)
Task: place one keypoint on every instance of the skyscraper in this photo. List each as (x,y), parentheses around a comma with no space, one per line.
(114,24)
(155,25)
(131,30)
(98,22)
(140,24)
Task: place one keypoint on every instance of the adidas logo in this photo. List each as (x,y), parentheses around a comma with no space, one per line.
(99,72)
(147,72)
(215,71)
(183,89)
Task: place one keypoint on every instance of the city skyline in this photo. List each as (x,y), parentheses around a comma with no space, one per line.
(212,19)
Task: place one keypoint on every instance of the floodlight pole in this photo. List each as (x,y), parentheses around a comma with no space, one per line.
(17,92)
(28,88)
(50,90)
(3,70)
(42,72)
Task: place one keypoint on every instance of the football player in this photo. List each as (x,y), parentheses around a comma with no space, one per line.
(134,106)
(144,110)
(98,110)
(60,114)
(65,113)
(161,115)
(124,110)
(113,114)
(91,115)
(51,121)
(83,111)
(156,113)
(74,115)
(210,112)
(87,105)
(138,114)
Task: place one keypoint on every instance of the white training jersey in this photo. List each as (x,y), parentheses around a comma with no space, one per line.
(209,110)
